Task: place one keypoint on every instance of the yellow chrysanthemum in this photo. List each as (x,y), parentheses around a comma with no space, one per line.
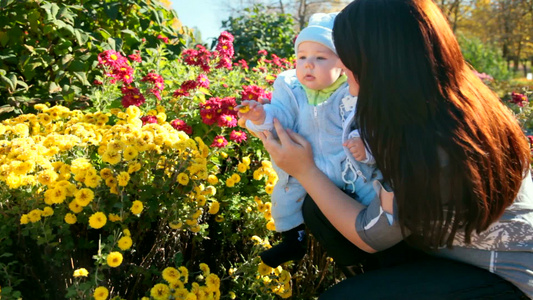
(106,173)
(84,196)
(269,189)
(236,178)
(136,207)
(56,195)
(205,269)
(212,179)
(35,215)
(70,218)
(264,269)
(213,282)
(75,207)
(100,293)
(114,259)
(230,182)
(130,153)
(258,174)
(171,274)
(242,167)
(24,219)
(126,232)
(114,217)
(92,181)
(47,177)
(48,211)
(133,111)
(160,291)
(81,272)
(175,225)
(123,178)
(271,225)
(134,167)
(97,220)
(125,242)
(246,160)
(284,276)
(183,179)
(112,157)
(214,207)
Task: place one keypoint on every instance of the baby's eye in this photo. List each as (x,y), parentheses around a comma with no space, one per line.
(321,58)
(302,57)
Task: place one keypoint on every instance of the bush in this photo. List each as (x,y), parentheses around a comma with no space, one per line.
(150,191)
(48,49)
(256,29)
(484,58)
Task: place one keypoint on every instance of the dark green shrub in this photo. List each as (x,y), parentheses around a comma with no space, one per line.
(48,49)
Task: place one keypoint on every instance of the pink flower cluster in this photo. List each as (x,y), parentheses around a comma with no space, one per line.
(483,76)
(519,99)
(158,84)
(131,96)
(219,111)
(188,85)
(201,57)
(117,66)
(254,92)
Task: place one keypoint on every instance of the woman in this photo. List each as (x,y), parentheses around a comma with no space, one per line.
(453,157)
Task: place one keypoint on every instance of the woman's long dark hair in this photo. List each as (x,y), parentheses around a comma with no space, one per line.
(419,98)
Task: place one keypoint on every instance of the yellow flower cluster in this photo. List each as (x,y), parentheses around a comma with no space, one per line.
(267,173)
(266,209)
(58,154)
(276,279)
(175,288)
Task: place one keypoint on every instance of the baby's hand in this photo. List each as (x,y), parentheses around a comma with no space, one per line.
(356,146)
(251,110)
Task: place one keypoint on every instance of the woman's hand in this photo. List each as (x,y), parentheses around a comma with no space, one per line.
(291,152)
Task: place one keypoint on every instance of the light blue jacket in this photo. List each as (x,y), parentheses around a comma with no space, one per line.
(322,126)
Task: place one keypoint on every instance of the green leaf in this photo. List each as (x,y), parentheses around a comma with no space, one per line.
(82,77)
(5,3)
(204,90)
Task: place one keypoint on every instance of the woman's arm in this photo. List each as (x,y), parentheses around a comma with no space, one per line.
(294,154)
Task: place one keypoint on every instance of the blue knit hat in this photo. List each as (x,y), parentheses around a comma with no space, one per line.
(318,30)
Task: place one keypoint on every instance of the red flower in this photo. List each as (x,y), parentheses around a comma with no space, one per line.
(155,79)
(111,58)
(163,38)
(149,119)
(254,92)
(181,125)
(519,99)
(238,136)
(227,121)
(189,85)
(180,92)
(262,52)
(219,142)
(131,96)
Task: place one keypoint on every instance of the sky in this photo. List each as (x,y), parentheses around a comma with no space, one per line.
(207,15)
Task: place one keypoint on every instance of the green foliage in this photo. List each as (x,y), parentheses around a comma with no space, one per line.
(484,58)
(257,29)
(48,49)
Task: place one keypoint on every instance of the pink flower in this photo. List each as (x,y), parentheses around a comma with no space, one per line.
(227,121)
(136,56)
(238,136)
(202,81)
(131,96)
(262,52)
(156,79)
(111,58)
(219,142)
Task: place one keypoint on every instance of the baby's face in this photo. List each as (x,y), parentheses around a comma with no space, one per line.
(317,67)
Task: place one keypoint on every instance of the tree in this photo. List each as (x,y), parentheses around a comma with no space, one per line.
(256,29)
